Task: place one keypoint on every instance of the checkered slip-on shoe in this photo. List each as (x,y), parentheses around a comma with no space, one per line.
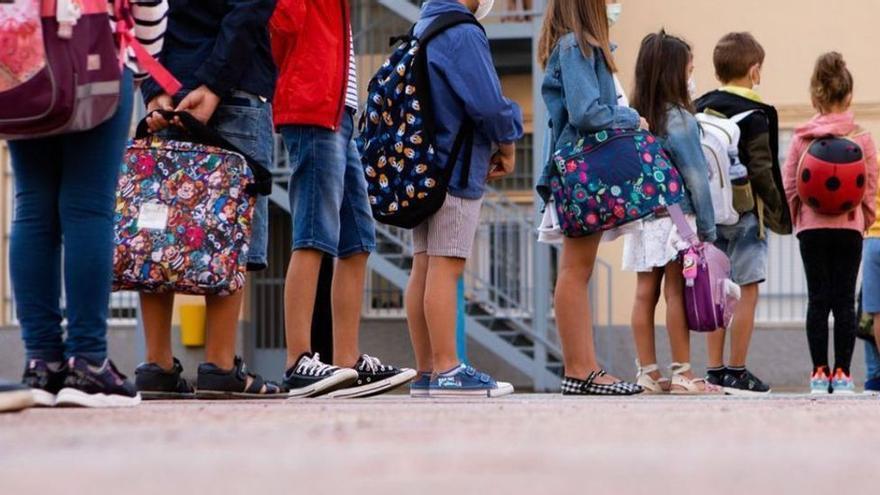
(573,386)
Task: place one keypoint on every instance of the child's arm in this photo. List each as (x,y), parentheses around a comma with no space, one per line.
(760,163)
(581,86)
(869,203)
(683,140)
(789,177)
(474,80)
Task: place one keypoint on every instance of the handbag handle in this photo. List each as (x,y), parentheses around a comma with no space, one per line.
(682,224)
(206,135)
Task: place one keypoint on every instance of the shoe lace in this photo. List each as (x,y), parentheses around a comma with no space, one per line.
(372,364)
(312,366)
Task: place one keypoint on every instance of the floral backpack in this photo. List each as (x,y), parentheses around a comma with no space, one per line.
(611,178)
(405,182)
(60,65)
(184,212)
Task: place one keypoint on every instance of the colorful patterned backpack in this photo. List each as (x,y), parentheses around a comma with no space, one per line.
(405,182)
(612,178)
(60,65)
(183,213)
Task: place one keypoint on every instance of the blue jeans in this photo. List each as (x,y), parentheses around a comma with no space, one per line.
(65,191)
(328,191)
(872,361)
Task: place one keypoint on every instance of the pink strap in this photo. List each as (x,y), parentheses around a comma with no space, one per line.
(682,224)
(124,29)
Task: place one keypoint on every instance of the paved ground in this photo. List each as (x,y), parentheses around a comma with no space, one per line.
(536,444)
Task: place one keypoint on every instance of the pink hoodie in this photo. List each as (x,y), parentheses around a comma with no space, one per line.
(804,217)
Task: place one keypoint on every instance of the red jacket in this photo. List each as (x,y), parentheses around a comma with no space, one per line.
(310,45)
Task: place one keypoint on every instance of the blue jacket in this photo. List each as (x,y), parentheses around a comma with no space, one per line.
(464,83)
(681,139)
(221,44)
(581,98)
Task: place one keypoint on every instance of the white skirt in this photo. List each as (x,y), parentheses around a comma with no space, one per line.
(549,231)
(654,245)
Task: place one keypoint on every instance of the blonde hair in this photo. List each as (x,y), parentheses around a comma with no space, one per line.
(587,19)
(832,82)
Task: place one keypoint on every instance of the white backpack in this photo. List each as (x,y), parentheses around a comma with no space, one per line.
(720,141)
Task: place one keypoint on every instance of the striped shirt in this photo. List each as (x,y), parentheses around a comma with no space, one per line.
(151,19)
(351,93)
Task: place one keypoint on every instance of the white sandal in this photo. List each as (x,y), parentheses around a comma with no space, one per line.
(681,385)
(651,386)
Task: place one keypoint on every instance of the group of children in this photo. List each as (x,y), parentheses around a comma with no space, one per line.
(255,67)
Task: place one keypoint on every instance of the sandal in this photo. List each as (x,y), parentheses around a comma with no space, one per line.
(682,385)
(216,383)
(651,386)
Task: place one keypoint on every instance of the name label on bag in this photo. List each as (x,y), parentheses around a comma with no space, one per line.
(153,216)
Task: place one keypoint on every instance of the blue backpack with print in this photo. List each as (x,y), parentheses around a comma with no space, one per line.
(406,183)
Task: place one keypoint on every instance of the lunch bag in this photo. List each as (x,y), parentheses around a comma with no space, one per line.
(612,178)
(184,211)
(710,295)
(406,182)
(61,65)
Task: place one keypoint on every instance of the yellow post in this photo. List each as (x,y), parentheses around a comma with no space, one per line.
(192,325)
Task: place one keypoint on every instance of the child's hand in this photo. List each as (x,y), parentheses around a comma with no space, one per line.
(644,125)
(156,122)
(503,162)
(200,103)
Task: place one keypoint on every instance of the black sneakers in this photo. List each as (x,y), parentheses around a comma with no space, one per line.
(155,383)
(309,377)
(15,397)
(87,385)
(743,382)
(217,383)
(574,386)
(374,378)
(45,380)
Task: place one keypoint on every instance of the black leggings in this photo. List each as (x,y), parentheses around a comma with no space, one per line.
(831,260)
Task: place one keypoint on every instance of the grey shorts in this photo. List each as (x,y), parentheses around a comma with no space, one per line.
(450,232)
(746,250)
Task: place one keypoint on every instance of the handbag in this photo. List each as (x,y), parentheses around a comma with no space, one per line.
(611,178)
(183,212)
(710,296)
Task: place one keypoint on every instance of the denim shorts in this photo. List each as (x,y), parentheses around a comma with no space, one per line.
(871,276)
(245,120)
(746,249)
(329,207)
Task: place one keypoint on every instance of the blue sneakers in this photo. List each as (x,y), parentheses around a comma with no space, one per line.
(465,381)
(872,386)
(842,383)
(820,382)
(419,386)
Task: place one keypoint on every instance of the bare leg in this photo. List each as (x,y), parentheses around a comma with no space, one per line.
(156,312)
(415,313)
(348,298)
(573,313)
(676,318)
(877,330)
(441,291)
(647,296)
(221,328)
(300,290)
(743,325)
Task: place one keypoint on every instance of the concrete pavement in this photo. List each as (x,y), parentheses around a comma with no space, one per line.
(536,444)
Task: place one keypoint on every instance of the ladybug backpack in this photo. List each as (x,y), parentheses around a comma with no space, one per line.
(405,181)
(831,174)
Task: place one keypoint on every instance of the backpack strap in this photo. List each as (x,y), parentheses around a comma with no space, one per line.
(682,225)
(444,22)
(736,119)
(125,25)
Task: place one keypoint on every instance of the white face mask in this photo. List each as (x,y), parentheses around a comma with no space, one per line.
(484,9)
(692,88)
(614,11)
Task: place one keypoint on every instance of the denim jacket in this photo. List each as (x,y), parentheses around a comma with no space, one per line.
(581,98)
(681,139)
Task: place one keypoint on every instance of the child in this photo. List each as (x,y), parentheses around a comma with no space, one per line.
(579,90)
(831,245)
(463,85)
(738,61)
(221,56)
(314,111)
(663,70)
(64,200)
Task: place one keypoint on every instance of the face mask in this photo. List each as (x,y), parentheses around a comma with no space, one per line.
(692,88)
(614,11)
(484,9)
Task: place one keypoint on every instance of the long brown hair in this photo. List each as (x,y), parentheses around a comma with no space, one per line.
(832,82)
(587,19)
(661,78)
